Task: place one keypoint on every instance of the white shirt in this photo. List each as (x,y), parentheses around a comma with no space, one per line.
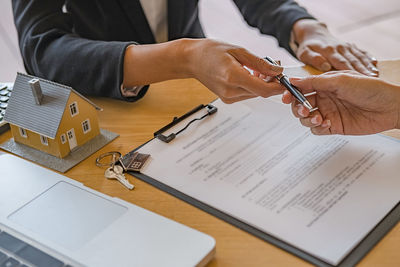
(156,14)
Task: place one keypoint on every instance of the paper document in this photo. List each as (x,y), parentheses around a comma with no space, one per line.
(255,162)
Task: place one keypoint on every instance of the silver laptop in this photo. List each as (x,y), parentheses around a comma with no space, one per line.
(47,219)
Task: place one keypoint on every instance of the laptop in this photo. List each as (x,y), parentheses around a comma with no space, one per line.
(47,219)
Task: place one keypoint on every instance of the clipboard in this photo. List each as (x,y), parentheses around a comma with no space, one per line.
(353,257)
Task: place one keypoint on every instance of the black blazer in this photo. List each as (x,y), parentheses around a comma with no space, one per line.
(81,43)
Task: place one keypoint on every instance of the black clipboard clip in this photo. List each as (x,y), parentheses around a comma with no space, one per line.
(159,134)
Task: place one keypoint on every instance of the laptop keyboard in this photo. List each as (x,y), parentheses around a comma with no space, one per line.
(5,92)
(15,252)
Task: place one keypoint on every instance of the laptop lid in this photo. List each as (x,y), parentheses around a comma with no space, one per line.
(83,227)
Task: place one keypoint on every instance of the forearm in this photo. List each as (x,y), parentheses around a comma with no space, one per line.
(304,27)
(146,64)
(273,17)
(90,67)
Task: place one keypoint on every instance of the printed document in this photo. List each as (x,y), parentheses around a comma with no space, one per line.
(255,162)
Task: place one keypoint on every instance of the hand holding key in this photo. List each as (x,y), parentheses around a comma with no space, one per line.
(117,172)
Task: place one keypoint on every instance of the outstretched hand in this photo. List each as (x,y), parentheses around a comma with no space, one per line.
(348,103)
(320,49)
(220,67)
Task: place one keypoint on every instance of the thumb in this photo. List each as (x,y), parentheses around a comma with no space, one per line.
(315,83)
(255,63)
(310,57)
(303,84)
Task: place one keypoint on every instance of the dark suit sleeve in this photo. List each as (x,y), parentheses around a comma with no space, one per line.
(52,51)
(273,17)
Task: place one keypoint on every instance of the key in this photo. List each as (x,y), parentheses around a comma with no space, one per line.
(120,172)
(116,172)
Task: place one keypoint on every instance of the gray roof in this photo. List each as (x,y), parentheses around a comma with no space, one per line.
(43,119)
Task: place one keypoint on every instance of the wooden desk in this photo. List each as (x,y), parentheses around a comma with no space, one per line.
(136,122)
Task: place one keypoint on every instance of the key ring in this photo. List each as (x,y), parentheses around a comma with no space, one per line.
(115,157)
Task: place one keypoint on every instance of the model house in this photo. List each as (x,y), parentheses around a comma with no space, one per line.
(50,117)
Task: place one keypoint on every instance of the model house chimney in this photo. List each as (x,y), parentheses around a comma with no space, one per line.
(36,91)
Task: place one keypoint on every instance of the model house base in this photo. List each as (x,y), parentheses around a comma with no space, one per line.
(50,117)
(56,163)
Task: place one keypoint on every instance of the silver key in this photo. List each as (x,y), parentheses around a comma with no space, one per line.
(117,173)
(120,172)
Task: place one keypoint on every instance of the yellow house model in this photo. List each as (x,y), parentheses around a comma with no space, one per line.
(50,117)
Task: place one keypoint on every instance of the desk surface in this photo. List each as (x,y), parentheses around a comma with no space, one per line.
(136,122)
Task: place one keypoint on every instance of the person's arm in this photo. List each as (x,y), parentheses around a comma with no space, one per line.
(219,66)
(52,51)
(273,17)
(319,48)
(348,103)
(287,21)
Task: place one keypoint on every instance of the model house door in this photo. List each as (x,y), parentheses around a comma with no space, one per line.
(71,139)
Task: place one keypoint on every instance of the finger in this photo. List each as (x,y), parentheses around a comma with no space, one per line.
(305,85)
(269,79)
(261,76)
(323,129)
(255,63)
(312,121)
(339,62)
(232,92)
(287,97)
(299,111)
(237,99)
(316,83)
(314,59)
(365,59)
(238,77)
(255,85)
(356,63)
(295,109)
(373,59)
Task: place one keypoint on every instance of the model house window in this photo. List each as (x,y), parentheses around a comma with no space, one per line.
(73,108)
(86,126)
(63,139)
(22,132)
(44,140)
